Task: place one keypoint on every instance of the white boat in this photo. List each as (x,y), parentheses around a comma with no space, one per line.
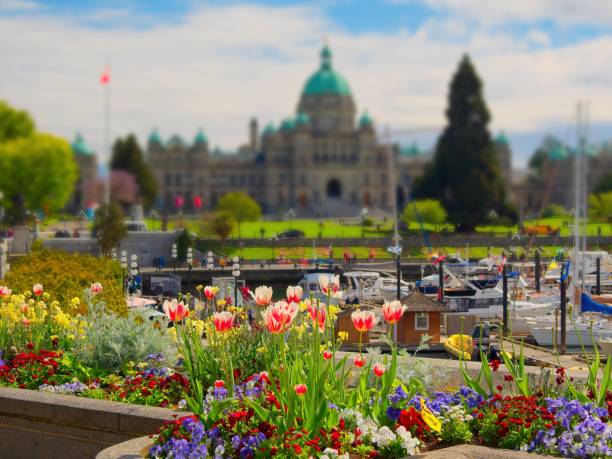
(544,328)
(373,286)
(310,284)
(605,346)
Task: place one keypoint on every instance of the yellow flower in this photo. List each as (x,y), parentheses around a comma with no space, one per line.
(261,350)
(342,335)
(199,287)
(75,301)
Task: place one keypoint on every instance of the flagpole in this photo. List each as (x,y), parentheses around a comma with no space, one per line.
(107,137)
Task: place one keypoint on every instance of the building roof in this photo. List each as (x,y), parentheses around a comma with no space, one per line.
(269,129)
(417,302)
(502,139)
(287,124)
(365,119)
(302,119)
(154,137)
(410,150)
(80,147)
(326,80)
(558,153)
(175,141)
(200,138)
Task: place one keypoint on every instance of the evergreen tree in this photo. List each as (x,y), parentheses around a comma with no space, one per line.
(465,173)
(128,156)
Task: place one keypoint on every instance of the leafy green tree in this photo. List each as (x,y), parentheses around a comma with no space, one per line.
(600,206)
(222,225)
(240,206)
(36,172)
(128,156)
(109,226)
(425,210)
(604,184)
(183,242)
(14,123)
(465,172)
(554,210)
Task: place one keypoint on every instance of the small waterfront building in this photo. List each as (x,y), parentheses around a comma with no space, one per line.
(423,317)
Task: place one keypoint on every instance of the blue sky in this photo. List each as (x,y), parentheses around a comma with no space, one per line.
(179,64)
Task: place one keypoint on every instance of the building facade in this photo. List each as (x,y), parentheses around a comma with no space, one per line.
(324,161)
(85,192)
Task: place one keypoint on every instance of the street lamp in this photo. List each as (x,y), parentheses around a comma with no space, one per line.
(290,215)
(174,257)
(209,260)
(134,267)
(124,265)
(236,274)
(190,265)
(114,254)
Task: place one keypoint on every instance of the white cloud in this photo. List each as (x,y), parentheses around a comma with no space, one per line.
(222,65)
(563,12)
(14,6)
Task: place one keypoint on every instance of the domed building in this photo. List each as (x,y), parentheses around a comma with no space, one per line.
(325,160)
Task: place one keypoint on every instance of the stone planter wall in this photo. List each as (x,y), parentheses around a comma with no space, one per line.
(37,424)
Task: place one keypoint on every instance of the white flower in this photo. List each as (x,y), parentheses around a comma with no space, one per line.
(410,444)
(383,437)
(330,453)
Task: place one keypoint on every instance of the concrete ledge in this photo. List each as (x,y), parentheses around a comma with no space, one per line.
(132,449)
(39,424)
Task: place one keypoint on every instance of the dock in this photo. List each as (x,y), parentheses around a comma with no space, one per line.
(541,356)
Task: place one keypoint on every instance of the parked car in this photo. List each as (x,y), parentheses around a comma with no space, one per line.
(291,234)
(135,226)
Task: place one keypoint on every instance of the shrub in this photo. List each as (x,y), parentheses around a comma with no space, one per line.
(183,242)
(554,210)
(367,222)
(68,275)
(110,341)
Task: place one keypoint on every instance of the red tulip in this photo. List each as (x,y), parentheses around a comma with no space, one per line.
(294,294)
(175,311)
(359,361)
(379,369)
(300,389)
(37,289)
(327,354)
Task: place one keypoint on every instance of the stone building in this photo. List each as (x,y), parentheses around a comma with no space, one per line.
(84,193)
(323,161)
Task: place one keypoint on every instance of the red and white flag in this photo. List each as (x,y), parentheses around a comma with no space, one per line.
(500,266)
(437,259)
(105,77)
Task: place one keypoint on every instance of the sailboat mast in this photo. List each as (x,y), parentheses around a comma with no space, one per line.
(577,212)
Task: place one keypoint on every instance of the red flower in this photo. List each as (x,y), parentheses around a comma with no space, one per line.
(494,364)
(499,388)
(508,378)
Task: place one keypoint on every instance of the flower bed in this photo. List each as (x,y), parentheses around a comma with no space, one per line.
(267,380)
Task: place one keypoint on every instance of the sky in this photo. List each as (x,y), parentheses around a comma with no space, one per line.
(180,65)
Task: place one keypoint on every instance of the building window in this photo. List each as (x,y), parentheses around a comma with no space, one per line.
(168,179)
(421,321)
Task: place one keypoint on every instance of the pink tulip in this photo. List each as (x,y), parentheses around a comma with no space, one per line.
(175,311)
(4,291)
(95,288)
(393,311)
(262,295)
(279,316)
(363,320)
(37,289)
(300,389)
(223,321)
(294,294)
(379,369)
(26,322)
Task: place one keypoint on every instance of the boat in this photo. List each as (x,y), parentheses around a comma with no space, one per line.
(460,346)
(373,286)
(310,285)
(543,329)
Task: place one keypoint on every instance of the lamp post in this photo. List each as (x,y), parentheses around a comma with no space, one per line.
(134,267)
(174,257)
(114,254)
(236,274)
(189,265)
(153,215)
(290,216)
(124,265)
(1,215)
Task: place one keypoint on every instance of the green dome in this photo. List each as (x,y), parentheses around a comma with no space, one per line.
(80,147)
(558,153)
(326,80)
(502,139)
(365,120)
(175,141)
(200,138)
(287,124)
(410,150)
(154,137)
(269,130)
(302,119)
